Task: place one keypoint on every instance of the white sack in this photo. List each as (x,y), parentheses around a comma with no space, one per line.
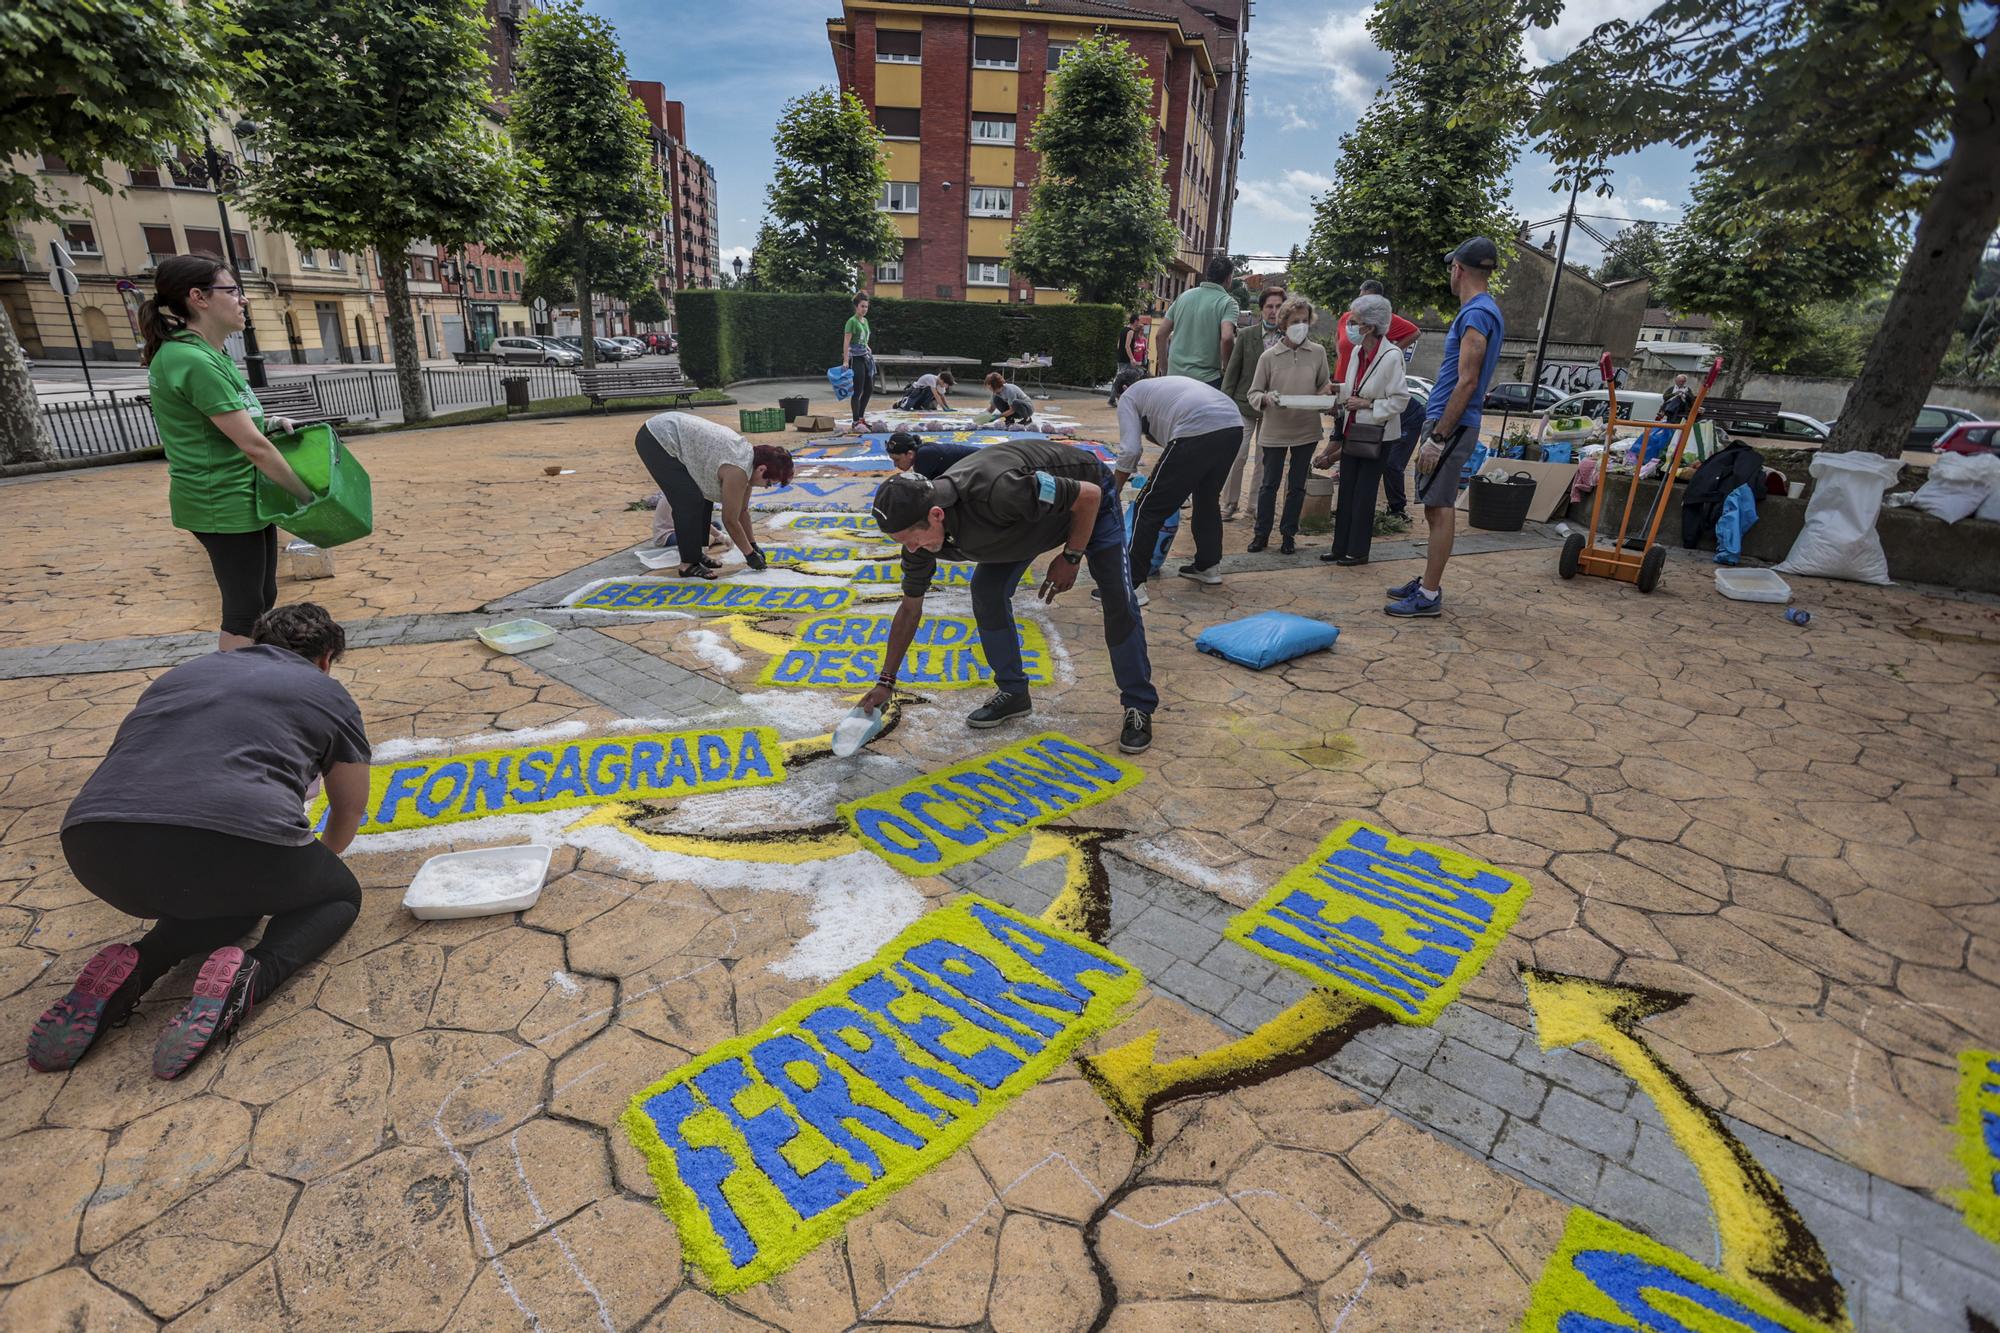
(1839,539)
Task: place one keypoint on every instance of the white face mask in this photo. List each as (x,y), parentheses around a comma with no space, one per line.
(1359,333)
(1297,332)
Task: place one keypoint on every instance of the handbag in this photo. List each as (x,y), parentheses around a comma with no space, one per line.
(1363,439)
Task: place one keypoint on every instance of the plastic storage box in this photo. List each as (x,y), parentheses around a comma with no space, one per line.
(517,636)
(759,420)
(1752,585)
(344,507)
(485,882)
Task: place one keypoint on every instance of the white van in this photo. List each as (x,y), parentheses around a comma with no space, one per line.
(1596,404)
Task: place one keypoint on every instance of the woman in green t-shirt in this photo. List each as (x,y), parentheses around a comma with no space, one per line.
(213,430)
(857,354)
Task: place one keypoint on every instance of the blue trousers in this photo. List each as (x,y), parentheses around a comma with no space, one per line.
(994,585)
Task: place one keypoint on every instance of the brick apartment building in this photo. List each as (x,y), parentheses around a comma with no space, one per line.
(956,93)
(688,233)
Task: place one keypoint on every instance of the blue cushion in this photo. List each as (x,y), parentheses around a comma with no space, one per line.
(1266,639)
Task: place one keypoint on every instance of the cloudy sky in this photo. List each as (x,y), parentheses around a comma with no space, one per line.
(1312,70)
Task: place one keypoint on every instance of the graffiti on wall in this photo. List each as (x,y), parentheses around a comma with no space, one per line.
(766,1145)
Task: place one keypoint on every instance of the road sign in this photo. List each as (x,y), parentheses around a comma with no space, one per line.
(64,281)
(127,285)
(59,255)
(541,307)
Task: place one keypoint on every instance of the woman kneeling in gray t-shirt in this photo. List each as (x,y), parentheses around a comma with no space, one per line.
(196,820)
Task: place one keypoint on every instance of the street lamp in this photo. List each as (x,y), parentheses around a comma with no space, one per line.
(455,270)
(221,175)
(737,263)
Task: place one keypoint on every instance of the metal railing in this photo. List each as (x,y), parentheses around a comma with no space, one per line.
(112,424)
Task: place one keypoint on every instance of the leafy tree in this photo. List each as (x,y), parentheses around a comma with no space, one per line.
(1762,268)
(1865,112)
(1417,175)
(825,197)
(91,81)
(1636,252)
(408,155)
(572,111)
(1098,220)
(649,307)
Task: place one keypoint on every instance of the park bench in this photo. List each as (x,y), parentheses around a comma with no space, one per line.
(295,398)
(607,382)
(1726,412)
(478,358)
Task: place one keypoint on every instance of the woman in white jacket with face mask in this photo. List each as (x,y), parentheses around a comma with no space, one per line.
(1373,396)
(1294,365)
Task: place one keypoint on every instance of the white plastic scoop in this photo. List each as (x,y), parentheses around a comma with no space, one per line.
(855,730)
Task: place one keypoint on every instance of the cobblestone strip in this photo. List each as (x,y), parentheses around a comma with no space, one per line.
(1558,1120)
(629,680)
(551,592)
(97,656)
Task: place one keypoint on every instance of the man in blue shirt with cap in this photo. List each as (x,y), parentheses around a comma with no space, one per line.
(1451,418)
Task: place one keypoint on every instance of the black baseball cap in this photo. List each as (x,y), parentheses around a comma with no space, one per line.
(1479,252)
(904,442)
(903,501)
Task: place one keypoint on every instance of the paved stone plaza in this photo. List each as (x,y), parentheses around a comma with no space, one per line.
(1791,829)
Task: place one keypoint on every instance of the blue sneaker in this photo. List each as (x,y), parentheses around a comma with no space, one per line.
(1402,590)
(1416,604)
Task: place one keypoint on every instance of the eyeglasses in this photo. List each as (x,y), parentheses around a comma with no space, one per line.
(232,289)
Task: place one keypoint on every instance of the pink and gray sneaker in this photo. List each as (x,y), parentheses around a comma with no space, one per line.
(222,999)
(104,996)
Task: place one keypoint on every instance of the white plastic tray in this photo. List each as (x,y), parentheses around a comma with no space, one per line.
(1752,585)
(1307,402)
(517,636)
(658,557)
(485,882)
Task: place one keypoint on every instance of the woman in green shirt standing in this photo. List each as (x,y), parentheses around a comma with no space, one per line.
(213,430)
(858,356)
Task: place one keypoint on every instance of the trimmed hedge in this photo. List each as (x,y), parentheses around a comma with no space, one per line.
(732,335)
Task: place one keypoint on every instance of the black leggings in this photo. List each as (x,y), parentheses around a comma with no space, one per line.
(693,512)
(863,366)
(203,890)
(246,569)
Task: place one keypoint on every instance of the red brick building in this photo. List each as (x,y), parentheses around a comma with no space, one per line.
(956,92)
(687,233)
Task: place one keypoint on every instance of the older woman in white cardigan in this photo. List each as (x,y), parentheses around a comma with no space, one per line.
(1372,398)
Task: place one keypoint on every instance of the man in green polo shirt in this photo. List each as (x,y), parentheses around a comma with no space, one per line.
(1199,330)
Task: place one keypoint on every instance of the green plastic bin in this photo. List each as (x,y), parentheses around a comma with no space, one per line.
(345,507)
(759,420)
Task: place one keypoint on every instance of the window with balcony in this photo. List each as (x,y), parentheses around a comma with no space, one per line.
(889,270)
(900,122)
(159,244)
(988,201)
(1058,52)
(996,52)
(899,197)
(81,239)
(986,273)
(899,47)
(240,243)
(993,129)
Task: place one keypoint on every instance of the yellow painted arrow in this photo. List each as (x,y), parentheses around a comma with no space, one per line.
(785,846)
(1764,1241)
(1083,905)
(1136,1086)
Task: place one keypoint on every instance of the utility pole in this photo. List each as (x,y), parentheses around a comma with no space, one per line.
(1555,280)
(223,176)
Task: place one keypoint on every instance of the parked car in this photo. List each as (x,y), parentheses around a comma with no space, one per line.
(1933,420)
(606,349)
(1419,384)
(1781,427)
(1971,437)
(1596,404)
(566,353)
(1519,398)
(533,352)
(632,346)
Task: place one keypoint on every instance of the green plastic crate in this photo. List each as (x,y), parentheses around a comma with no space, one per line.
(345,507)
(757,420)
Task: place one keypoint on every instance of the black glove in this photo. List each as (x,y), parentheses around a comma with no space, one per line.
(754,558)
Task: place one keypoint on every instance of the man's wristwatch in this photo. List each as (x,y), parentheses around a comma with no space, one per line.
(1074,557)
